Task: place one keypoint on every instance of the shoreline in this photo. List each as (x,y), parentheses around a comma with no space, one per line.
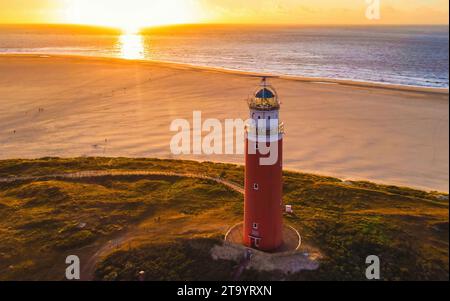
(176,65)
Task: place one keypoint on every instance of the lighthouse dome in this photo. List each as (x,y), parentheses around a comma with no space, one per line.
(265,98)
(265,93)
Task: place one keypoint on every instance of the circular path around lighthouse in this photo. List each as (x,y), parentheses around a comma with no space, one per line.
(291,238)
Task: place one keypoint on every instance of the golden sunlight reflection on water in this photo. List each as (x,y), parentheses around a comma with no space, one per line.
(131,46)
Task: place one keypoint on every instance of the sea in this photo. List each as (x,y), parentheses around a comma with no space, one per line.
(398,55)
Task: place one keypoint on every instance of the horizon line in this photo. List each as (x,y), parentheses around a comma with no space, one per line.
(223,24)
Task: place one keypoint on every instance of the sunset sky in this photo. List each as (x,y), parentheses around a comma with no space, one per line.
(139,13)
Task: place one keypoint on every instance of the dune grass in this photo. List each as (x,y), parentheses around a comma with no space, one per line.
(42,222)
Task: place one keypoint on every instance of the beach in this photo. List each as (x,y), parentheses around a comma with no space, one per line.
(71,106)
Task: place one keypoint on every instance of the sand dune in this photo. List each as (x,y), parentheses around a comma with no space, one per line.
(108,107)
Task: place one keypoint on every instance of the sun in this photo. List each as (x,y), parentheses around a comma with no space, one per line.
(131,15)
(130,28)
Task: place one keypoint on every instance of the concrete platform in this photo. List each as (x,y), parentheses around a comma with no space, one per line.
(291,237)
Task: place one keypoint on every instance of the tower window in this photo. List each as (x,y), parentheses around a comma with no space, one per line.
(255,226)
(255,186)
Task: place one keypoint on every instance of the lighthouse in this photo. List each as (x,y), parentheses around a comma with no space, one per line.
(263,215)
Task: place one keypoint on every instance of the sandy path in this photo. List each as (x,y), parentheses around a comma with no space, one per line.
(102,107)
(103,173)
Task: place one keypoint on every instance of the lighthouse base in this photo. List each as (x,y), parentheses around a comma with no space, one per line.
(291,238)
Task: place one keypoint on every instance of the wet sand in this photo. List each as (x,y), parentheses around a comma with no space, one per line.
(77,106)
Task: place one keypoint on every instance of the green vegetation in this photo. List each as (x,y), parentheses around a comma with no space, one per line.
(183,260)
(175,221)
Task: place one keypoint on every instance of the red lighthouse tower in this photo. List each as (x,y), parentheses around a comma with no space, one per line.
(263,217)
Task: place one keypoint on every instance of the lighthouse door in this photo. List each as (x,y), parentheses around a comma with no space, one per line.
(255,242)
